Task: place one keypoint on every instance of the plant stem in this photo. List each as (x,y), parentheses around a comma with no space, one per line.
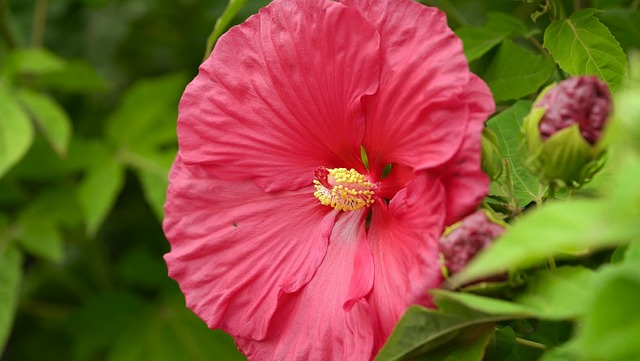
(529,343)
(39,23)
(634,5)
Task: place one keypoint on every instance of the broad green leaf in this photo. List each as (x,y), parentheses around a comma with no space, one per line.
(478,41)
(611,329)
(505,347)
(146,117)
(16,131)
(38,225)
(153,173)
(40,237)
(558,294)
(421,330)
(34,61)
(52,119)
(170,332)
(10,275)
(506,125)
(222,23)
(557,229)
(470,345)
(99,190)
(632,253)
(582,45)
(516,72)
(487,305)
(624,25)
(76,77)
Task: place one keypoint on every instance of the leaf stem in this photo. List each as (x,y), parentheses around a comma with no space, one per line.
(634,5)
(529,343)
(39,23)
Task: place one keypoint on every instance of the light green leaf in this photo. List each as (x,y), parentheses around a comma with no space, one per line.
(557,229)
(470,345)
(506,126)
(146,117)
(153,173)
(516,72)
(37,226)
(559,294)
(421,330)
(76,77)
(16,131)
(582,45)
(34,61)
(52,119)
(611,329)
(479,40)
(222,23)
(99,190)
(10,275)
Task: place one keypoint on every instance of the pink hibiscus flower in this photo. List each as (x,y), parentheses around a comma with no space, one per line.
(280,233)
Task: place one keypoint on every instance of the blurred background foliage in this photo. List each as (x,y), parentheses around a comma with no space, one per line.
(88,104)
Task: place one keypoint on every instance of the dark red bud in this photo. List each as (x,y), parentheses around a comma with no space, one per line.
(584,100)
(474,233)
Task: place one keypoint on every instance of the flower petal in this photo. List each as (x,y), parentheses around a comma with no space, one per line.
(236,249)
(281,94)
(404,242)
(311,324)
(417,116)
(464,182)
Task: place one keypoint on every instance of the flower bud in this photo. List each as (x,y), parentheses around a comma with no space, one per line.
(466,238)
(491,155)
(562,132)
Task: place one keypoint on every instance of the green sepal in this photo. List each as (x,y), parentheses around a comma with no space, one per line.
(492,162)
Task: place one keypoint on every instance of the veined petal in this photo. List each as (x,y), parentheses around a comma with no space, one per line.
(311,324)
(281,94)
(417,116)
(404,242)
(464,182)
(236,249)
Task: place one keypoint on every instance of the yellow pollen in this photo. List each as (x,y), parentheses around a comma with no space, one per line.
(343,189)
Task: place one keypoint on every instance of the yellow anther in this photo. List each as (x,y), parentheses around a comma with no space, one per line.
(343,189)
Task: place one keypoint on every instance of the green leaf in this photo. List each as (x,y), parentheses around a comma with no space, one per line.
(146,117)
(16,131)
(478,41)
(470,345)
(10,275)
(421,330)
(34,61)
(558,294)
(611,329)
(171,332)
(153,173)
(487,305)
(516,72)
(76,77)
(222,23)
(507,125)
(99,190)
(40,236)
(624,25)
(557,229)
(51,118)
(582,45)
